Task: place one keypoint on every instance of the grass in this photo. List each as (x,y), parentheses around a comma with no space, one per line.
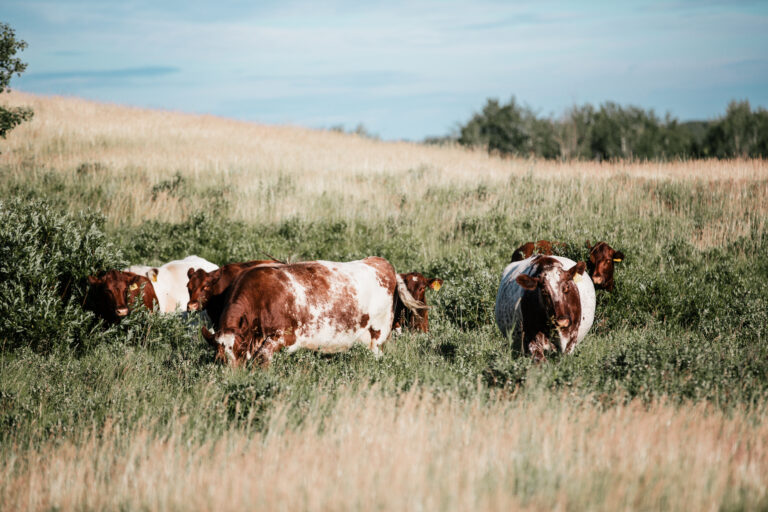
(663,406)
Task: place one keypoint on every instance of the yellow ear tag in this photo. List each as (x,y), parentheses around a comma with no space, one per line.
(133,287)
(617,260)
(154,278)
(576,278)
(436,285)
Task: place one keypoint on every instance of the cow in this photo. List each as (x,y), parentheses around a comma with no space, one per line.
(318,305)
(544,293)
(601,262)
(111,294)
(417,285)
(528,249)
(207,290)
(170,281)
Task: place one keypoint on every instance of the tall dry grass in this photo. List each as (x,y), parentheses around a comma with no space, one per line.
(116,155)
(371,451)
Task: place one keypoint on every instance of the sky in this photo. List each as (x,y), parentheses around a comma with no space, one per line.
(405,70)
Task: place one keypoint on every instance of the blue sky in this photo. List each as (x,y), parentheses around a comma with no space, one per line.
(404,69)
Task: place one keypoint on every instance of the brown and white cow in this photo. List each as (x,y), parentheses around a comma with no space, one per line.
(207,290)
(544,303)
(601,264)
(111,295)
(417,285)
(318,305)
(528,249)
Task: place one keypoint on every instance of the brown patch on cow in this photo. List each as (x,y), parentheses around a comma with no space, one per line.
(417,286)
(385,272)
(364,320)
(374,333)
(111,295)
(601,264)
(528,249)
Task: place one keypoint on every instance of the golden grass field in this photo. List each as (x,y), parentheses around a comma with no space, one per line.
(422,449)
(413,452)
(270,173)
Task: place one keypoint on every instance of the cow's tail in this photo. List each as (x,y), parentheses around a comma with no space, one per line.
(406,298)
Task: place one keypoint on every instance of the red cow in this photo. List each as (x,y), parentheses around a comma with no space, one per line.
(417,285)
(207,290)
(111,294)
(528,249)
(601,262)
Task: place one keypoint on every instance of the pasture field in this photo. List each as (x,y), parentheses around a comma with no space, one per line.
(663,406)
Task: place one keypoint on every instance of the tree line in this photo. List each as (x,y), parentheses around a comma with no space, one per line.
(612,131)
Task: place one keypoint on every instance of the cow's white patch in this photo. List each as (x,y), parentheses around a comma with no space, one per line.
(355,280)
(228,342)
(170,282)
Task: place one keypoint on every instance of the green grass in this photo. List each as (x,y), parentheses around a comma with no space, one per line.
(686,324)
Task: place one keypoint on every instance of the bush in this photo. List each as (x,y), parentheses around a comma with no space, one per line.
(45,256)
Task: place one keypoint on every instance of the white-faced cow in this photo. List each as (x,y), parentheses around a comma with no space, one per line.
(601,264)
(417,285)
(170,281)
(318,305)
(111,294)
(544,303)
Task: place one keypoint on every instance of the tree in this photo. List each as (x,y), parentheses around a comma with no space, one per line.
(10,117)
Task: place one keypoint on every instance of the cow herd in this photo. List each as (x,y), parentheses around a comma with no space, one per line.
(256,308)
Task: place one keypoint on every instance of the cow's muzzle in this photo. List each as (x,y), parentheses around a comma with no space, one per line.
(193,306)
(121,312)
(563,321)
(597,279)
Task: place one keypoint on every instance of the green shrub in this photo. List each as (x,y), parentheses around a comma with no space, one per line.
(45,256)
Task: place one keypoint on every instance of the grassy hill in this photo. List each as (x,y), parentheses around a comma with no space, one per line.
(663,406)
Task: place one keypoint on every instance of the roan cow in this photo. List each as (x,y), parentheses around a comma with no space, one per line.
(111,295)
(417,285)
(318,305)
(601,264)
(544,303)
(207,290)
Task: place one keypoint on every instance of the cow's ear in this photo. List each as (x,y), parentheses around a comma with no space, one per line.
(435,283)
(577,271)
(93,280)
(618,256)
(527,282)
(589,245)
(152,274)
(190,272)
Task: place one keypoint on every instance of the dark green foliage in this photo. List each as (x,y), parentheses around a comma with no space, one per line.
(45,257)
(613,132)
(9,66)
(742,132)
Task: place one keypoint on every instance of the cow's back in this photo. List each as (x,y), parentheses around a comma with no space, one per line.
(510,294)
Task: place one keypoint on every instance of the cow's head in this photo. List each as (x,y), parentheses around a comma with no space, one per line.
(417,285)
(559,295)
(601,264)
(111,295)
(233,346)
(200,286)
